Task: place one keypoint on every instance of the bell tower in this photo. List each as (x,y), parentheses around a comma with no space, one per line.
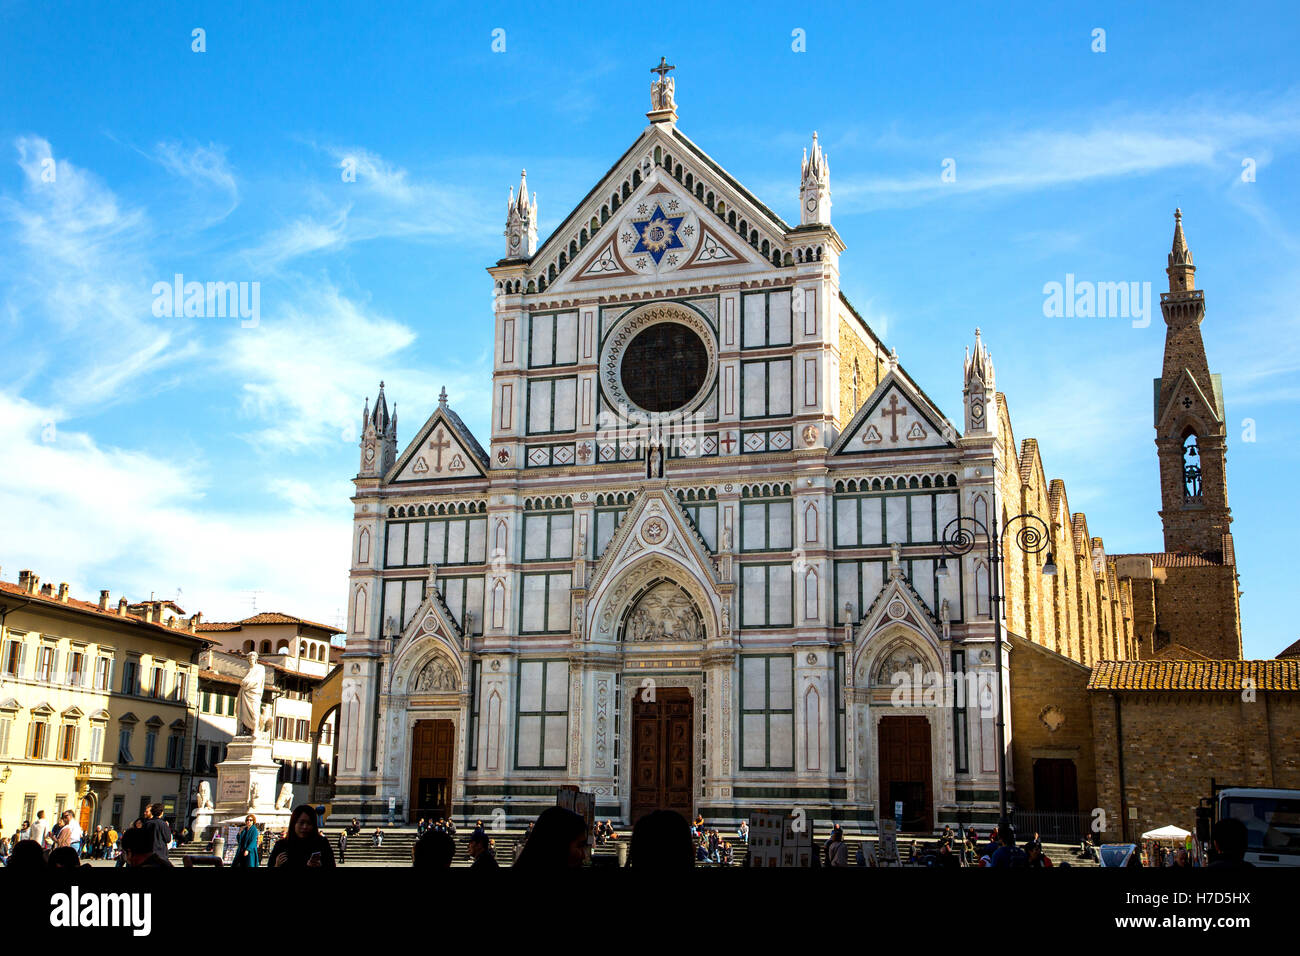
(1189,419)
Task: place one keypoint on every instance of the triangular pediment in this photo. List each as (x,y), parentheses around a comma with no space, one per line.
(444,451)
(654,525)
(662,229)
(432,624)
(898,603)
(1186,400)
(662,177)
(896,417)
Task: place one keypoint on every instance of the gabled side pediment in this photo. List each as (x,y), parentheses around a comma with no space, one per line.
(1186,400)
(895,418)
(445,450)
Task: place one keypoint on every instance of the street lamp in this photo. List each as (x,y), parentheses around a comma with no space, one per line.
(1032,535)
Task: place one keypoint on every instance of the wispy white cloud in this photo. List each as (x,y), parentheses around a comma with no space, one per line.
(307,367)
(1009,157)
(139,523)
(199,164)
(79,270)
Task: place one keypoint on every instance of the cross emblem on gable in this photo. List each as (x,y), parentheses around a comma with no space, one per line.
(894,411)
(1187,403)
(438,446)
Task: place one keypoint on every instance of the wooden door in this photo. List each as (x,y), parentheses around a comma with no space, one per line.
(87,813)
(663,753)
(433,754)
(904,746)
(1056,786)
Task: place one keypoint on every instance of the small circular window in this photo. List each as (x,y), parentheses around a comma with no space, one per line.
(664,367)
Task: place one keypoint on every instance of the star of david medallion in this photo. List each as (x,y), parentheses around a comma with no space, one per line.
(658,234)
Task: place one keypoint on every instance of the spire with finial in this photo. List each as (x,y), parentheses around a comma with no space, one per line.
(521,221)
(814,186)
(442,397)
(1181,271)
(979,390)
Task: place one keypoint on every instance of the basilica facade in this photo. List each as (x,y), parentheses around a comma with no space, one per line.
(699,562)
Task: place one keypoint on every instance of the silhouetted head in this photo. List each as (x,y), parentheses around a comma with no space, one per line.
(662,840)
(558,841)
(434,850)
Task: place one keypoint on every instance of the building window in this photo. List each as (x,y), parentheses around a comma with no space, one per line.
(444,541)
(548,537)
(544,603)
(552,405)
(6,728)
(131,677)
(150,745)
(116,818)
(705,519)
(76,661)
(182,687)
(13,660)
(767,712)
(765,319)
(765,525)
(464,597)
(96,743)
(159,684)
(541,742)
(281,728)
(45,663)
(68,742)
(766,595)
(553,340)
(37,735)
(766,388)
(607,522)
(124,746)
(960,732)
(174,751)
(103,673)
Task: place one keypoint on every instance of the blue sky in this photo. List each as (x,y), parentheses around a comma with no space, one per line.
(147,454)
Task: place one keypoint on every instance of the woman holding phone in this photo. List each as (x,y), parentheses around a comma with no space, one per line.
(303,845)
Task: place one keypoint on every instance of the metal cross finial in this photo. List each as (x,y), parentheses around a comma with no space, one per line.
(663,68)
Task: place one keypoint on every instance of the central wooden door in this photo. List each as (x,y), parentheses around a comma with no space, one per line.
(663,752)
(904,745)
(433,750)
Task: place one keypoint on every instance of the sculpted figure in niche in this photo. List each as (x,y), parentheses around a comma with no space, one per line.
(437,675)
(664,613)
(900,659)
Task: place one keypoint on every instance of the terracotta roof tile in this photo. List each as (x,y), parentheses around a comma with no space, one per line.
(265,617)
(88,607)
(1180,559)
(1222,675)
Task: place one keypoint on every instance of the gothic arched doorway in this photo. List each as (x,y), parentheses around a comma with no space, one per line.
(904,747)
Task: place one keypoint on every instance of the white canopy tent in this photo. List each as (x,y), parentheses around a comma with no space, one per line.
(1170,832)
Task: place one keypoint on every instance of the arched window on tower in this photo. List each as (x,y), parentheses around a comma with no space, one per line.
(1191,467)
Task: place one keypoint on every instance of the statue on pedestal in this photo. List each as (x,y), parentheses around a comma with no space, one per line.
(249,703)
(203,800)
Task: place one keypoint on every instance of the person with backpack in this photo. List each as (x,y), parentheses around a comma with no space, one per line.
(1008,854)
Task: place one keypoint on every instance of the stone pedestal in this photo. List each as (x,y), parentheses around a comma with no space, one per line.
(246,783)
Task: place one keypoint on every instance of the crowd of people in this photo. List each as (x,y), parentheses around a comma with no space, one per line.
(557,839)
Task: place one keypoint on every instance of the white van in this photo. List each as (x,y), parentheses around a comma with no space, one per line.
(1272,819)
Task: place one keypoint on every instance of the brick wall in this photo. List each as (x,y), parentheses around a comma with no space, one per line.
(1175,741)
(1049,689)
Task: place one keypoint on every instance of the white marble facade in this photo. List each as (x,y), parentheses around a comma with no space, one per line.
(719,524)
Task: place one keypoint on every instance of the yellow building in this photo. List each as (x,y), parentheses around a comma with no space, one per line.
(97,705)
